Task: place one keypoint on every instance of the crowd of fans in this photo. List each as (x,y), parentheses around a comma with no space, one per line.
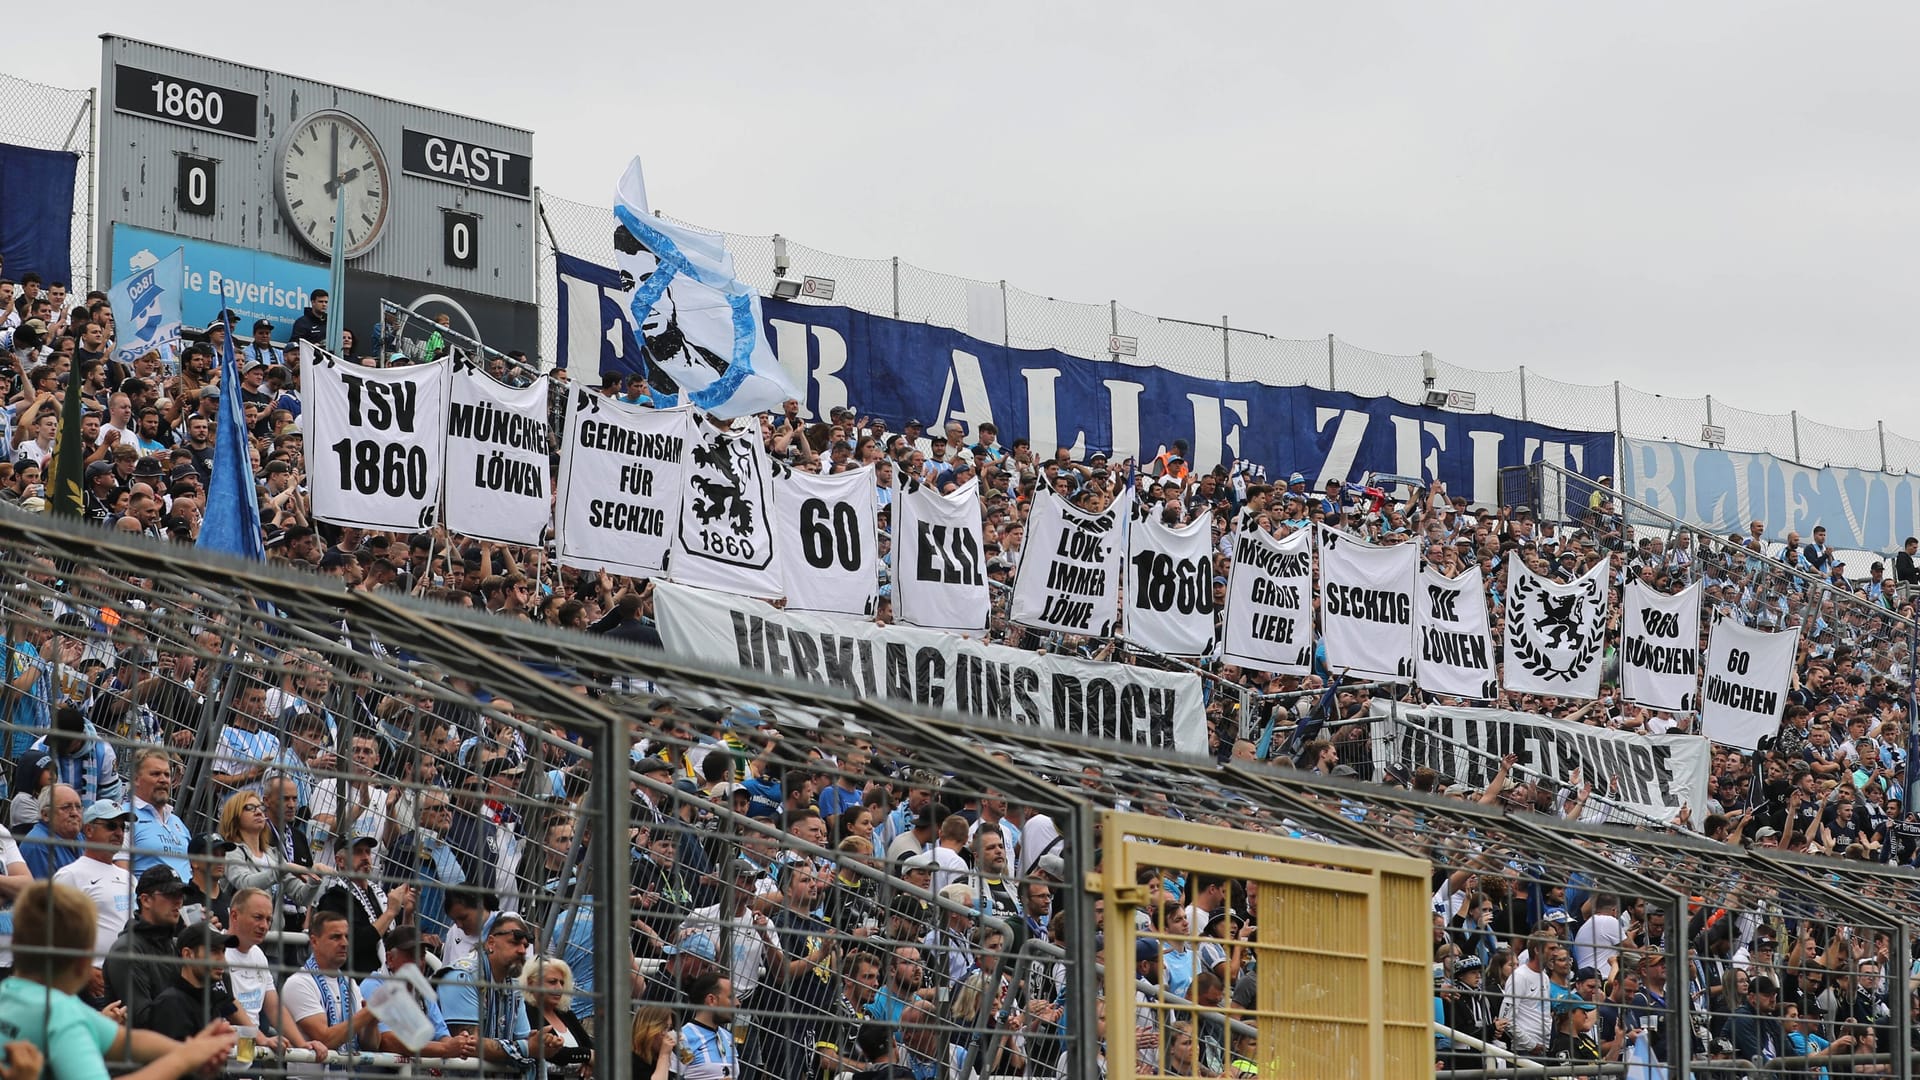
(352,830)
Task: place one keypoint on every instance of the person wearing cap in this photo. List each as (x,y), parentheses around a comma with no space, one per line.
(105,882)
(495,1014)
(261,349)
(1471,1012)
(1574,1018)
(402,947)
(140,964)
(197,993)
(1757,1031)
(371,910)
(102,486)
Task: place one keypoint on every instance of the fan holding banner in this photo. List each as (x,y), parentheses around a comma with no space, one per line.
(1366,605)
(1068,579)
(1660,647)
(1555,634)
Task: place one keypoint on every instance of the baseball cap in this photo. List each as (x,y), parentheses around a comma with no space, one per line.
(262,324)
(1144,950)
(1466,964)
(1565,1000)
(159,879)
(695,943)
(921,861)
(99,468)
(202,935)
(210,843)
(105,810)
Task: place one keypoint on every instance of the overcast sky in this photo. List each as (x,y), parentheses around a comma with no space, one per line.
(1692,198)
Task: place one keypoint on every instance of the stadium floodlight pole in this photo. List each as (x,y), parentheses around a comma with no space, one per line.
(337,286)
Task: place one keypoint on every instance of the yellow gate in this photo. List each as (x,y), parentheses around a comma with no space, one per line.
(1340,950)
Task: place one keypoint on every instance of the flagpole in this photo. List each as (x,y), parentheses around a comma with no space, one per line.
(337,286)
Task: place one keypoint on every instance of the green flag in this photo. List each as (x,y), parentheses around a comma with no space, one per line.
(65,493)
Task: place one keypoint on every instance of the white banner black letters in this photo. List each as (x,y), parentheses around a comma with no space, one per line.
(497,459)
(828,547)
(1270,603)
(725,536)
(1170,587)
(1660,647)
(621,471)
(1748,672)
(939,565)
(1456,643)
(375,448)
(1069,574)
(1366,606)
(1555,634)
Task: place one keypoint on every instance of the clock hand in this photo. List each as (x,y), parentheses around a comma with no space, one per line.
(346,178)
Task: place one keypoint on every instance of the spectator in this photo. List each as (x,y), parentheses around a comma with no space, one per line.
(141,962)
(546,986)
(104,882)
(160,837)
(371,910)
(655,1043)
(322,999)
(197,994)
(402,946)
(54,841)
(710,1050)
(311,326)
(250,977)
(494,1015)
(52,932)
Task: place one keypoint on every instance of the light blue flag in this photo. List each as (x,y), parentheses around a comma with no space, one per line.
(703,337)
(146,309)
(232,520)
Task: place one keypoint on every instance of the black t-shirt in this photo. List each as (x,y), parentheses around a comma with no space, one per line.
(182,1010)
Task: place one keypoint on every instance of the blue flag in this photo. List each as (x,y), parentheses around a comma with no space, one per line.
(232,521)
(146,310)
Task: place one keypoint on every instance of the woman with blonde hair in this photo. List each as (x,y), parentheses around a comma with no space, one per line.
(256,862)
(546,984)
(654,1043)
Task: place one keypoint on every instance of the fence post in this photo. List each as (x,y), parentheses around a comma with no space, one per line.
(1523,391)
(1709,410)
(93,168)
(1795,415)
(1006,332)
(1226,350)
(1881,426)
(1330,382)
(896,286)
(1113,331)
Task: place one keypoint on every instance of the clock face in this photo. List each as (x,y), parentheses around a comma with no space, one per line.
(327,153)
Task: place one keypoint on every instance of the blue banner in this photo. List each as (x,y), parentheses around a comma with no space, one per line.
(36,211)
(255,285)
(910,371)
(1724,492)
(146,310)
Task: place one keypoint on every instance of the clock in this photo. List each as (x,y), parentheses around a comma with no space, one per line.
(325,152)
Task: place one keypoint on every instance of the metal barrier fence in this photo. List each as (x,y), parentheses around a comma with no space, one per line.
(946,889)
(52,118)
(890,286)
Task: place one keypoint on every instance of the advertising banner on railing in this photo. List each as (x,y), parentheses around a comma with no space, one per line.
(1650,775)
(1722,491)
(903,371)
(939,672)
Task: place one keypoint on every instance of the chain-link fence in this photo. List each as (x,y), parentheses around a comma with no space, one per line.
(899,289)
(50,118)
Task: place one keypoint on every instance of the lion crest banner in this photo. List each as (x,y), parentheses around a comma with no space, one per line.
(1555,633)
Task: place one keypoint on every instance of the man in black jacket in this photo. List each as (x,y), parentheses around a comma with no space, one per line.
(141,963)
(1757,1033)
(198,994)
(312,323)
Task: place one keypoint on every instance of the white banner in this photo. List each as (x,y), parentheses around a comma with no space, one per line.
(941,673)
(1366,606)
(375,442)
(621,471)
(725,536)
(1651,775)
(1660,647)
(1270,603)
(939,571)
(1748,673)
(1555,634)
(497,459)
(828,546)
(1456,642)
(1070,566)
(1169,603)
